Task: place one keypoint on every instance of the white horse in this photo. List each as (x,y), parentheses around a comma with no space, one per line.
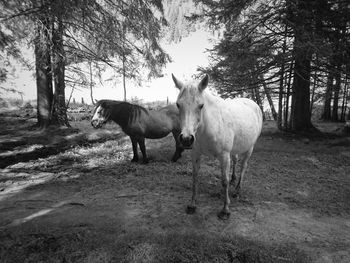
(225,129)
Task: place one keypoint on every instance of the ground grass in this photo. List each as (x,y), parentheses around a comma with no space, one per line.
(141,246)
(90,204)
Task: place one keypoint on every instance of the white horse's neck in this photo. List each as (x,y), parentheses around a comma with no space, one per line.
(211,108)
(211,101)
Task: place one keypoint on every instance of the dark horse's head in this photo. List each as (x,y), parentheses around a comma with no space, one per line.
(101,114)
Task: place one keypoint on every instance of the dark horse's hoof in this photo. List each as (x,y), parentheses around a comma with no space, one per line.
(135,159)
(177,154)
(190,210)
(235,195)
(175,158)
(145,161)
(223,215)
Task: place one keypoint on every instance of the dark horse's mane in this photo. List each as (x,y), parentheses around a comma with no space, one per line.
(126,112)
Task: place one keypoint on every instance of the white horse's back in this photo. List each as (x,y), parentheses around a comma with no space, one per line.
(246,123)
(231,125)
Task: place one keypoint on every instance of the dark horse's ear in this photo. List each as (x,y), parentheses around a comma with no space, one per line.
(103,104)
(204,83)
(177,82)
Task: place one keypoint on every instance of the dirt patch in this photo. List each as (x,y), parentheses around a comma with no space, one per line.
(88,203)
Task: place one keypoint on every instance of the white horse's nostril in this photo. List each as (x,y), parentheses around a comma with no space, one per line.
(186,141)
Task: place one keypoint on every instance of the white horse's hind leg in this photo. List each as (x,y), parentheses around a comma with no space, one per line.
(196,158)
(244,165)
(225,161)
(234,163)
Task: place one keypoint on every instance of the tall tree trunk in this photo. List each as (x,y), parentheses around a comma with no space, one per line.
(70,97)
(91,83)
(280,100)
(343,59)
(281,87)
(257,96)
(345,102)
(124,57)
(313,92)
(326,115)
(347,95)
(43,72)
(336,93)
(286,111)
(301,118)
(124,84)
(269,99)
(60,111)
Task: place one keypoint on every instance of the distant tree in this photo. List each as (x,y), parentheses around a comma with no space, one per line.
(177,14)
(9,52)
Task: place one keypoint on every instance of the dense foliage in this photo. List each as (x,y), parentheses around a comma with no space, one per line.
(290,48)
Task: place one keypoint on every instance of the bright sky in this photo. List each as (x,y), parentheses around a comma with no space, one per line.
(186,55)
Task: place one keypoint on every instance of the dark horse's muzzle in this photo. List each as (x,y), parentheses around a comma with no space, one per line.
(186,141)
(96,124)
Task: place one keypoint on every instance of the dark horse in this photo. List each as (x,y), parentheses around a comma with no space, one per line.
(140,123)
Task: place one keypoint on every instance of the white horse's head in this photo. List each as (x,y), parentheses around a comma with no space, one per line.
(190,103)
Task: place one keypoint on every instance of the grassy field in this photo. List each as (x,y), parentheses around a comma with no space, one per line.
(88,203)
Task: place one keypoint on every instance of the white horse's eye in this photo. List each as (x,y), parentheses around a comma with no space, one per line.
(201,106)
(177,105)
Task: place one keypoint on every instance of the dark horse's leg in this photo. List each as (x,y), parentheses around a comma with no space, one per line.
(141,142)
(134,149)
(178,149)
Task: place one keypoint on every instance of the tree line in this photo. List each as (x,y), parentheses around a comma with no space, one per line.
(295,50)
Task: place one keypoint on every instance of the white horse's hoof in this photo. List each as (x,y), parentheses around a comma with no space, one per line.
(190,210)
(224,215)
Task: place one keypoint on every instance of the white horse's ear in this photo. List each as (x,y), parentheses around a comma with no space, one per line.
(177,82)
(204,83)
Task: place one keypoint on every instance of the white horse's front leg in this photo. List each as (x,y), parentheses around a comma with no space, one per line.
(196,158)
(225,161)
